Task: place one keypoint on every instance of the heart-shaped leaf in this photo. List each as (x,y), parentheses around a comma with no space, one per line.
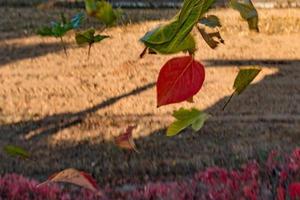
(125,140)
(247,12)
(179,80)
(75,177)
(213,39)
(103,11)
(186,118)
(16,151)
(211,21)
(242,81)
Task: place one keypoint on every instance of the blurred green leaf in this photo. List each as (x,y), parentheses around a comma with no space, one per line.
(211,21)
(244,78)
(247,12)
(103,11)
(60,28)
(212,39)
(175,36)
(89,37)
(186,118)
(16,151)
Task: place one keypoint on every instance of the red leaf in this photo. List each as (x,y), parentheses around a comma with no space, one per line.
(294,190)
(75,177)
(125,140)
(179,80)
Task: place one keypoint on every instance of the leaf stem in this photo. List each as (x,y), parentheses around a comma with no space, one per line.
(143,52)
(64,46)
(89,51)
(227,102)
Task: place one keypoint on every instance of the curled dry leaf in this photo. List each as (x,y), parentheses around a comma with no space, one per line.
(179,80)
(125,140)
(212,39)
(75,177)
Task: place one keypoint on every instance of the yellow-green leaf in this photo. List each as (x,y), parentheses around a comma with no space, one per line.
(185,118)
(244,78)
(103,11)
(16,151)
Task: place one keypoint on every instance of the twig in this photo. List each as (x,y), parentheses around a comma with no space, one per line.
(227,102)
(63,45)
(89,51)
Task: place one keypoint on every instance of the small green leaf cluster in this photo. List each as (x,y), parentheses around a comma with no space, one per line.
(89,37)
(60,28)
(102,10)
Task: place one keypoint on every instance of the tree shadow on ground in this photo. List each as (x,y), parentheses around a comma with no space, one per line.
(54,123)
(9,54)
(266,116)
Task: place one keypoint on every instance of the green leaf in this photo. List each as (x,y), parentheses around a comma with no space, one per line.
(45,31)
(175,36)
(89,37)
(103,11)
(242,81)
(16,151)
(186,118)
(247,12)
(244,78)
(211,21)
(60,28)
(212,39)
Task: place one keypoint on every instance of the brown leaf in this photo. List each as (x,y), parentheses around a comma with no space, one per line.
(212,39)
(125,140)
(76,177)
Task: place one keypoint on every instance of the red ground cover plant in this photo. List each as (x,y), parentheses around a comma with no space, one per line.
(277,178)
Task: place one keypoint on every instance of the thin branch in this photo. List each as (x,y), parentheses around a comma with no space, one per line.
(227,102)
(64,46)
(89,51)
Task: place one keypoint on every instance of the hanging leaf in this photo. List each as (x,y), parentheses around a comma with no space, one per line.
(75,177)
(212,39)
(179,80)
(185,118)
(211,21)
(16,151)
(125,140)
(243,80)
(175,36)
(103,11)
(247,12)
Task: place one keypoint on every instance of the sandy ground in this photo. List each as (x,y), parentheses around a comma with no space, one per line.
(66,110)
